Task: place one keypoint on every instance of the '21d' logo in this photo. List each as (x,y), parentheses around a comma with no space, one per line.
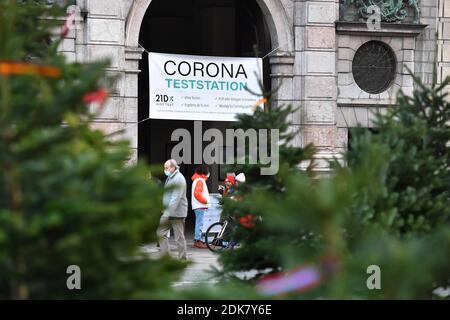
(164,98)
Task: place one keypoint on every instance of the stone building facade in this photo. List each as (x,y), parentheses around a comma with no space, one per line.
(313,44)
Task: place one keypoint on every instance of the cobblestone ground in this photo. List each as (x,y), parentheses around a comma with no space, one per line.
(202,261)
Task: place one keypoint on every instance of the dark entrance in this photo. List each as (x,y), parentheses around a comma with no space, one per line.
(199,27)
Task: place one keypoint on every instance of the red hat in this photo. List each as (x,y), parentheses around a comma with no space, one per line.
(230,179)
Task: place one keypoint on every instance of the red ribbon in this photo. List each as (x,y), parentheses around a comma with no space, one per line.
(98,96)
(247,221)
(23,68)
(68,25)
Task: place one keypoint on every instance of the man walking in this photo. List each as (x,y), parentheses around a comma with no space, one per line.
(200,202)
(175,209)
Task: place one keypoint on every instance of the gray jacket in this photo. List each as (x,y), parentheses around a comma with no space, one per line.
(174,200)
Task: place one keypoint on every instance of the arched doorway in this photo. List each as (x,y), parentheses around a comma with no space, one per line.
(201,27)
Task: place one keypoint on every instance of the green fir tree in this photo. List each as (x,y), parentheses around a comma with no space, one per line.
(388,209)
(67,195)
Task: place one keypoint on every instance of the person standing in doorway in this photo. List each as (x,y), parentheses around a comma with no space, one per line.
(200,202)
(175,209)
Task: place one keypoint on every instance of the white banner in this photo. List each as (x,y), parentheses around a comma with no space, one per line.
(184,87)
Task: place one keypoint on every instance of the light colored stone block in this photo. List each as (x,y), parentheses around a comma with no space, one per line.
(321,37)
(340,121)
(365,95)
(300,63)
(319,111)
(407,81)
(341,138)
(320,136)
(398,78)
(131,134)
(104,7)
(320,62)
(344,66)
(103,52)
(385,95)
(447,9)
(129,110)
(348,116)
(298,89)
(409,43)
(289,10)
(446,52)
(109,111)
(299,38)
(346,41)
(351,92)
(321,12)
(408,55)
(345,79)
(299,16)
(105,30)
(320,87)
(346,54)
(284,86)
(297,142)
(130,85)
(295,117)
(396,44)
(445,72)
(67,45)
(361,117)
(446,30)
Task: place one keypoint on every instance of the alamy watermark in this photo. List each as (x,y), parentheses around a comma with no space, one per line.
(252,147)
(73,281)
(374,19)
(374,280)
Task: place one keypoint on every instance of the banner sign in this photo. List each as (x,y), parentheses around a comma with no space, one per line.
(184,87)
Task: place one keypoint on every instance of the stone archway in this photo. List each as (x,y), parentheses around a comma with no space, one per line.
(281,35)
(280,31)
(281,57)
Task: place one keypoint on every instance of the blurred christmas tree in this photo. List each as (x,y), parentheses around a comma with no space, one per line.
(255,239)
(333,261)
(416,192)
(66,195)
(388,210)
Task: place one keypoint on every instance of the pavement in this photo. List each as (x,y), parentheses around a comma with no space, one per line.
(202,261)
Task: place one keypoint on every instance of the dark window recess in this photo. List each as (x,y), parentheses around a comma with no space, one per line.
(374,67)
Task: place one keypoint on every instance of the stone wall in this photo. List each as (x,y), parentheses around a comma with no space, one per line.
(311,62)
(443,23)
(412,47)
(355,106)
(100,36)
(426,41)
(315,74)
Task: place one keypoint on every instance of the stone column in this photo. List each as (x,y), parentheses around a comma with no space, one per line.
(443,19)
(315,75)
(425,44)
(281,75)
(130,93)
(104,38)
